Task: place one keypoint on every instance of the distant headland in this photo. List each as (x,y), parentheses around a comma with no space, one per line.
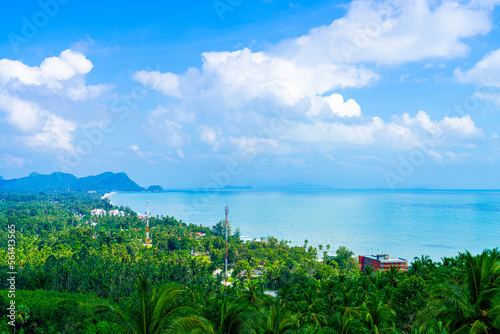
(57,181)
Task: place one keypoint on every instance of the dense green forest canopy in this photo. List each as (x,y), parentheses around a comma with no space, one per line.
(82,273)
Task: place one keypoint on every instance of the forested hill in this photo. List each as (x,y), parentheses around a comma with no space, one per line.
(62,181)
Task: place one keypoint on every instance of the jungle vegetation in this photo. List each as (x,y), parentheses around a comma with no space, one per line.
(78,273)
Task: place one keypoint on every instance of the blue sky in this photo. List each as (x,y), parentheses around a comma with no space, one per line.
(361,94)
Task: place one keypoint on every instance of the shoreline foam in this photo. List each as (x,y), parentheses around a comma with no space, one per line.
(108,194)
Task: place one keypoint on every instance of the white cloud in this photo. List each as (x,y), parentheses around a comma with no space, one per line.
(167,83)
(51,71)
(328,58)
(489,97)
(167,132)
(486,72)
(463,126)
(56,133)
(404,131)
(244,75)
(8,160)
(152,158)
(82,92)
(239,91)
(390,32)
(65,73)
(343,109)
(239,77)
(258,146)
(325,132)
(435,155)
(26,116)
(32,97)
(210,136)
(40,127)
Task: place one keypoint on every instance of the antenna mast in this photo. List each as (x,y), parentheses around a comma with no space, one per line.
(225,262)
(147,225)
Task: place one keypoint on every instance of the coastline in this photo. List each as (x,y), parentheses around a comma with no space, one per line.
(108,194)
(366,222)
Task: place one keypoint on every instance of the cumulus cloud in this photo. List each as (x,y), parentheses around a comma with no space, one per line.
(25,116)
(258,146)
(28,117)
(238,91)
(56,133)
(340,108)
(167,83)
(65,73)
(164,130)
(8,160)
(238,77)
(330,57)
(22,88)
(404,131)
(486,72)
(391,32)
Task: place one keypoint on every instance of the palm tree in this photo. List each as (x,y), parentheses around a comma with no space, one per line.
(156,310)
(235,316)
(286,294)
(425,260)
(277,321)
(429,328)
(379,318)
(254,295)
(468,300)
(422,265)
(392,276)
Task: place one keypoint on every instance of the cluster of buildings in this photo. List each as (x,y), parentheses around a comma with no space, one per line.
(382,262)
(102,212)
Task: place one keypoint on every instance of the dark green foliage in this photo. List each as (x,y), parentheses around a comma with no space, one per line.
(67,266)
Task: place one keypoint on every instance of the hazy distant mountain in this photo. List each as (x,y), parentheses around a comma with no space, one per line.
(62,181)
(236,187)
(155,189)
(300,186)
(38,182)
(1,178)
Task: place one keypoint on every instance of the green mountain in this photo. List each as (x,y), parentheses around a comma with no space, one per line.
(62,182)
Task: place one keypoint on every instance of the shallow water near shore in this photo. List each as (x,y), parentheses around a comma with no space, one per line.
(401,223)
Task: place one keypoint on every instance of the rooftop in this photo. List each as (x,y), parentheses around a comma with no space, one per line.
(384,258)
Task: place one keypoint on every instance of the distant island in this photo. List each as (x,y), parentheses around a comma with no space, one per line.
(155,189)
(236,188)
(58,181)
(299,186)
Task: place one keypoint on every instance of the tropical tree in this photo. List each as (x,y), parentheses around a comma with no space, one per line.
(231,315)
(378,317)
(156,310)
(468,299)
(277,322)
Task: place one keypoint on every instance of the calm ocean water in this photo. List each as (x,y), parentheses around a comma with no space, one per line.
(401,223)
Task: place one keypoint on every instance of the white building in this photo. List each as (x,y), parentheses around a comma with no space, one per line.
(116,213)
(98,212)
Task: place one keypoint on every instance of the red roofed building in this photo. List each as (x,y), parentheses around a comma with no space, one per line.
(382,262)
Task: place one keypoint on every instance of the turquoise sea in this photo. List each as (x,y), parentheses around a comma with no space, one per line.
(402,223)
